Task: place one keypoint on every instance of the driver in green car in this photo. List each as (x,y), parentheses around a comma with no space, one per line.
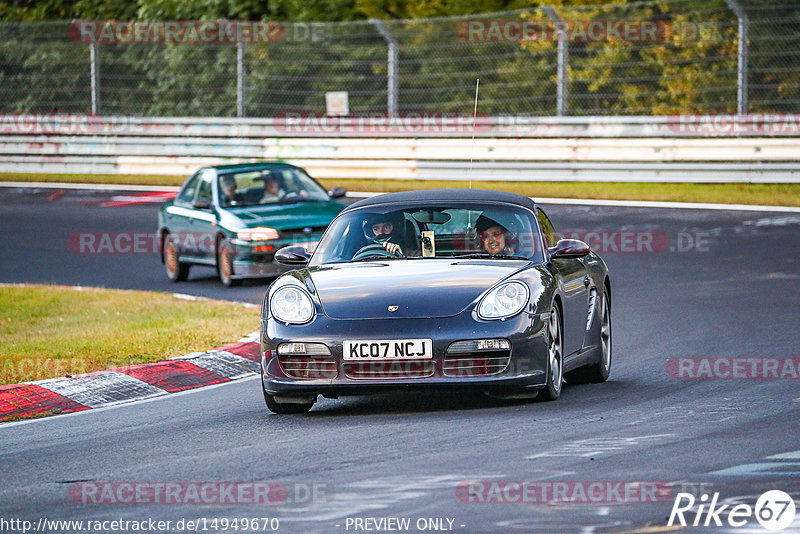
(228,186)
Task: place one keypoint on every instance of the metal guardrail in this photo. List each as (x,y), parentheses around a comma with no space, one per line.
(497,149)
(545,148)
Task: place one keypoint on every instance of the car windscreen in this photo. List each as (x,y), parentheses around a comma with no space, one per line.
(268,186)
(436,230)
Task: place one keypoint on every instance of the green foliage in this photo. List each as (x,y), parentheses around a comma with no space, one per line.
(690,68)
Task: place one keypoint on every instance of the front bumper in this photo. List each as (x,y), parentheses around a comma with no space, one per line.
(526,369)
(248,263)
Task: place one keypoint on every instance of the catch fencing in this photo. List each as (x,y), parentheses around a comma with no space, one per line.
(663,57)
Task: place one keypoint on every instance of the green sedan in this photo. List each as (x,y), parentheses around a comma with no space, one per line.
(234,218)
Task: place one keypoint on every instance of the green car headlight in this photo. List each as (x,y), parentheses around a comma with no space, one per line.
(262,233)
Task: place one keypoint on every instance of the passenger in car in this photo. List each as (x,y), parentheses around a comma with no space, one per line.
(494,237)
(272,189)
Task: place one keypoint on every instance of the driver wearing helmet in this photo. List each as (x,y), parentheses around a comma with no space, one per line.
(384,230)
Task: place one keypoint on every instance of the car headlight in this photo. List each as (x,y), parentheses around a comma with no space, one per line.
(504,301)
(290,304)
(262,233)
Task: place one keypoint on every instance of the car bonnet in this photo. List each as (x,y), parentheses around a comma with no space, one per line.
(422,288)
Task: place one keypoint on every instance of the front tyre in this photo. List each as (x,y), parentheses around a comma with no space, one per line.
(225,255)
(598,371)
(285,407)
(555,359)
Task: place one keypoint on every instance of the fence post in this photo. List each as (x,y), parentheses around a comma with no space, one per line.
(241,80)
(741,56)
(391,99)
(94,75)
(563,61)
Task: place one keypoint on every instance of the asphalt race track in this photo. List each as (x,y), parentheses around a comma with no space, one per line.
(700,284)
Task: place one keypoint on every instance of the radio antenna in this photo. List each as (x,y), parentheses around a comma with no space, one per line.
(472,143)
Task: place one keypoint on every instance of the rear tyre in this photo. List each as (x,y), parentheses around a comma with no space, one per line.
(176,271)
(285,407)
(225,264)
(598,371)
(555,359)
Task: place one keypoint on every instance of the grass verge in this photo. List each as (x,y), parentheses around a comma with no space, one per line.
(727,193)
(116,179)
(48,331)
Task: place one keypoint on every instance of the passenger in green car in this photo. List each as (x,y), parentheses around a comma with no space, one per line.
(272,189)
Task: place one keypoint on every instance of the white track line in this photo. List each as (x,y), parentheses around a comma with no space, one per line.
(367,194)
(122,405)
(98,187)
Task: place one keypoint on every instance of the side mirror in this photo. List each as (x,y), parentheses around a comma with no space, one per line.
(292,255)
(338,192)
(201,204)
(570,248)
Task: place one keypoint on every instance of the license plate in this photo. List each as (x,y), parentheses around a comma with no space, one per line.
(391,349)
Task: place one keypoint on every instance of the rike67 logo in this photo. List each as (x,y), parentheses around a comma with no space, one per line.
(774,510)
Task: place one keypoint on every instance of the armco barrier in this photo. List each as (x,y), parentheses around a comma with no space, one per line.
(683,149)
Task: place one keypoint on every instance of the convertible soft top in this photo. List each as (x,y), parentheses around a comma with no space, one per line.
(445,195)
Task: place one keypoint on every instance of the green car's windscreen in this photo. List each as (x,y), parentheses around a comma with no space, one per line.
(267,186)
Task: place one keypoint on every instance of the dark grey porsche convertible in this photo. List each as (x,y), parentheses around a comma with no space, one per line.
(436,289)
